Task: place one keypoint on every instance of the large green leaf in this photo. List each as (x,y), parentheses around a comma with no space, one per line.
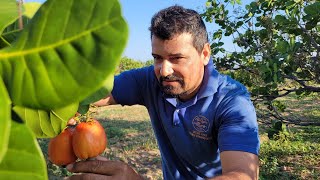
(65,53)
(45,123)
(24,159)
(59,117)
(8,13)
(101,93)
(5,119)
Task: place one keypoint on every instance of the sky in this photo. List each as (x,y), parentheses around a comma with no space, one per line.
(138,14)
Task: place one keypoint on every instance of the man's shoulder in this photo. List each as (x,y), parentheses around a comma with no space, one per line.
(145,69)
(229,88)
(228,84)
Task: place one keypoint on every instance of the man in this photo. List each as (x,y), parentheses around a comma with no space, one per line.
(204,122)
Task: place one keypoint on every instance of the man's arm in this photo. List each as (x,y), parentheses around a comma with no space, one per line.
(108,100)
(238,165)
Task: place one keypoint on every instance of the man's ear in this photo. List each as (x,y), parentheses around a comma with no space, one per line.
(206,53)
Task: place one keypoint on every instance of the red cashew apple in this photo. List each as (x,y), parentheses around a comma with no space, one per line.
(89,139)
(60,150)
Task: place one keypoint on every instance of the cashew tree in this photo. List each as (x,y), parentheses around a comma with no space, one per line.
(278,47)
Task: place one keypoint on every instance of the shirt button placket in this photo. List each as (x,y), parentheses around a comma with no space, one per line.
(176,119)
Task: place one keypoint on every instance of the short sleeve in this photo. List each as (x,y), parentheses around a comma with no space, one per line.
(128,86)
(238,127)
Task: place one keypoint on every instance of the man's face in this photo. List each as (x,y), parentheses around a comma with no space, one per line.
(179,67)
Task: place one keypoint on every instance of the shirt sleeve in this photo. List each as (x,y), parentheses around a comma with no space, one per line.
(128,86)
(238,127)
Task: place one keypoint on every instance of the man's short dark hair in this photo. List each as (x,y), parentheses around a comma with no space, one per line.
(176,20)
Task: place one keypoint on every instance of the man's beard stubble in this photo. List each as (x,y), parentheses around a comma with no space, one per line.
(169,90)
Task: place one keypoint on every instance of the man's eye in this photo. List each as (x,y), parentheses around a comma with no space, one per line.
(176,58)
(157,58)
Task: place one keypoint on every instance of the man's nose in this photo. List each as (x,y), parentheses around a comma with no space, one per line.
(166,68)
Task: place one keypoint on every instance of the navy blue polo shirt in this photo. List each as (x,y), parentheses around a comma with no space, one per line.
(191,134)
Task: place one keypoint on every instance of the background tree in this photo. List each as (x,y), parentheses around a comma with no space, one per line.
(128,63)
(149,62)
(279,47)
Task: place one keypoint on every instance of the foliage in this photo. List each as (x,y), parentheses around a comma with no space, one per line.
(149,62)
(46,69)
(128,63)
(291,156)
(278,41)
(277,128)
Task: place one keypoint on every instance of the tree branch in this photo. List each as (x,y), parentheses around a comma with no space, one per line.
(313,42)
(303,84)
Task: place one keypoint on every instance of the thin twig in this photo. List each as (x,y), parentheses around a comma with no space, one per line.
(20,3)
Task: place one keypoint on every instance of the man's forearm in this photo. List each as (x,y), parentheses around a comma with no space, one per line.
(234,175)
(108,100)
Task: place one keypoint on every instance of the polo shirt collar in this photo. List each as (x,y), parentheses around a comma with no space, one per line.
(209,85)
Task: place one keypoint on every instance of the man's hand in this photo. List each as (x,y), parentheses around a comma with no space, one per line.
(102,168)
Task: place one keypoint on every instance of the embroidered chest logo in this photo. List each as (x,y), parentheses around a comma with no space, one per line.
(201,127)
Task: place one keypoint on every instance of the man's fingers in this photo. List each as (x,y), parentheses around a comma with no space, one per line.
(88,176)
(110,170)
(96,166)
(100,158)
(72,121)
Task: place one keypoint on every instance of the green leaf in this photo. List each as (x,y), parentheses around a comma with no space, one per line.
(220,43)
(238,2)
(8,13)
(5,119)
(30,8)
(280,19)
(312,9)
(217,34)
(101,93)
(24,158)
(62,57)
(59,117)
(253,6)
(31,118)
(46,124)
(311,24)
(282,46)
(83,109)
(11,32)
(208,4)
(239,23)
